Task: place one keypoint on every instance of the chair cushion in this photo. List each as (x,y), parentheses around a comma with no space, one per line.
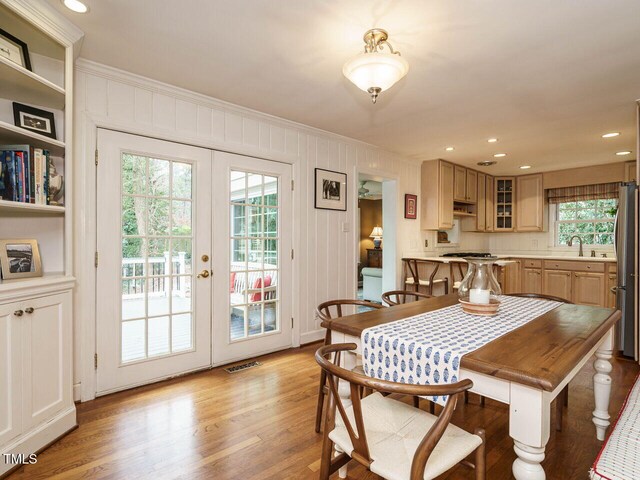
(409,281)
(372,272)
(394,430)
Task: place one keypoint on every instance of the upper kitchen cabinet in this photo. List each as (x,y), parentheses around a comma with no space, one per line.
(530,204)
(630,172)
(481,213)
(437,195)
(504,204)
(490,204)
(465,186)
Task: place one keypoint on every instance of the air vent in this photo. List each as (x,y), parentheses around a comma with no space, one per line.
(241,367)
(487,163)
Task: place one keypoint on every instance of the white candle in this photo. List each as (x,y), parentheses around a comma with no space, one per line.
(478,295)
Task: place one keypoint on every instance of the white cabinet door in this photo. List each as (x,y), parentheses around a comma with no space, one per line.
(46,358)
(10,378)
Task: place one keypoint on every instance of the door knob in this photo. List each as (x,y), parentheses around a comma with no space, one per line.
(203,274)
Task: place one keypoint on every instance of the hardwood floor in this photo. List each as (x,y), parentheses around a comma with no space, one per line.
(259,424)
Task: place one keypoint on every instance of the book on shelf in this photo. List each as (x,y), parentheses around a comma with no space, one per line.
(24,174)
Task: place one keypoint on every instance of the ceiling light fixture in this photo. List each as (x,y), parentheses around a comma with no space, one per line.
(375,71)
(525,167)
(449,149)
(487,163)
(76,5)
(625,152)
(498,155)
(492,140)
(612,134)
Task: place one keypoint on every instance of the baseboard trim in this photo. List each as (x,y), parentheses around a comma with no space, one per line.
(312,337)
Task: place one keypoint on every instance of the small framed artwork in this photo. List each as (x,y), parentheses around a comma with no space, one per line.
(14,49)
(331,190)
(410,206)
(34,119)
(20,259)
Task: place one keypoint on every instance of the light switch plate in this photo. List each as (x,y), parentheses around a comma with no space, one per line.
(345,226)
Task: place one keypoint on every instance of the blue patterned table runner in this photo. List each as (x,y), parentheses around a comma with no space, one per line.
(426,349)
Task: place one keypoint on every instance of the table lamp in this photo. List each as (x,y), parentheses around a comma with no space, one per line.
(376,234)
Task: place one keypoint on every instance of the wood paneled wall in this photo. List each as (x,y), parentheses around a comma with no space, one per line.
(325,241)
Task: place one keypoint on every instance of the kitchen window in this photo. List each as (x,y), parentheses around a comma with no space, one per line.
(591,220)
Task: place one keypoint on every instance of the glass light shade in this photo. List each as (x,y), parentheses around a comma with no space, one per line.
(376,232)
(479,285)
(375,70)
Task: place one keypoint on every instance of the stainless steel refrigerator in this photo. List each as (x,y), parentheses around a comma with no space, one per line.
(626,256)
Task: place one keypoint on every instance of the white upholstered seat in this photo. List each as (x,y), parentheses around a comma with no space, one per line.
(394,430)
(409,281)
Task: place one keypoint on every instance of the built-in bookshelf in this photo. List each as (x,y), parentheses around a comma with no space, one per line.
(46,86)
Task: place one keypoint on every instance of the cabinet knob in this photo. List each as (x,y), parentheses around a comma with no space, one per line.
(29,310)
(18,313)
(588,266)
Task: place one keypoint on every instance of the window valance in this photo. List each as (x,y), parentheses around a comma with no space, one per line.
(583,192)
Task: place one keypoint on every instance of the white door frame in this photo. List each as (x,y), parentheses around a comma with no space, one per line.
(84,231)
(390,217)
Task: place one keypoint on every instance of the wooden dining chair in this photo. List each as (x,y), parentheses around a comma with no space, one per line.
(563,398)
(327,311)
(390,438)
(414,267)
(397,297)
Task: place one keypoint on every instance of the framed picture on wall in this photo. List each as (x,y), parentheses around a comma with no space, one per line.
(410,206)
(14,49)
(20,259)
(331,190)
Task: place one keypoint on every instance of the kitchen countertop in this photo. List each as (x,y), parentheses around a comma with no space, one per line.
(515,255)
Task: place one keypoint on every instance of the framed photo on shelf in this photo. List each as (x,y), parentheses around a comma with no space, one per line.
(34,119)
(331,190)
(14,49)
(20,259)
(410,206)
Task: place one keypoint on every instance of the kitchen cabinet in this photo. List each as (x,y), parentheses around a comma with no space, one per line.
(36,386)
(530,203)
(612,281)
(490,204)
(460,184)
(504,204)
(557,283)
(588,289)
(532,280)
(481,205)
(512,281)
(436,212)
(630,172)
(472,186)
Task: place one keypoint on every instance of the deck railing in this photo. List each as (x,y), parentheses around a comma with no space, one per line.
(158,269)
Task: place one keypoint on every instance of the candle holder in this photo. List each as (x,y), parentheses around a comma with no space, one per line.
(479,290)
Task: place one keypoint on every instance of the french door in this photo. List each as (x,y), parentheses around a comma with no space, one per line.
(154,239)
(252,264)
(194,259)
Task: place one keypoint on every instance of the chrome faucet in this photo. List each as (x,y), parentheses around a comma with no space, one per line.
(570,244)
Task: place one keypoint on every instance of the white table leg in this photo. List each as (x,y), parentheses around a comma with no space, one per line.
(529,425)
(602,387)
(527,465)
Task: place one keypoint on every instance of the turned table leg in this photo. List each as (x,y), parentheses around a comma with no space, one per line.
(527,465)
(602,387)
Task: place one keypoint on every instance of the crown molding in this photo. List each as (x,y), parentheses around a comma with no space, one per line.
(49,20)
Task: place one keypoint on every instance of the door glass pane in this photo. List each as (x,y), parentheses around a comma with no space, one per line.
(157,246)
(254,245)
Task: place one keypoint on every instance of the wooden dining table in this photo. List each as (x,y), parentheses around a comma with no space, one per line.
(525,369)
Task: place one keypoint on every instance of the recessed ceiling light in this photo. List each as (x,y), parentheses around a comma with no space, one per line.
(487,163)
(525,167)
(498,155)
(492,140)
(625,152)
(76,5)
(449,149)
(611,134)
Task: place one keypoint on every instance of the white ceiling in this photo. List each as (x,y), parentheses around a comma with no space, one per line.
(547,77)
